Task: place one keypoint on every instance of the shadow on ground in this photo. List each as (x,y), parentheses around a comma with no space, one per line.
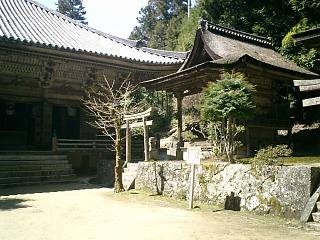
(7,204)
(46,188)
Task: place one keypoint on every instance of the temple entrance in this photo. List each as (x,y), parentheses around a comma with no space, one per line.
(66,122)
(17,126)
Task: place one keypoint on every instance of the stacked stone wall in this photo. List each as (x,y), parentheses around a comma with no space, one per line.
(280,190)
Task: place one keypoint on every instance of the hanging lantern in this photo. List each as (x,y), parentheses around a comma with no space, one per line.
(10,108)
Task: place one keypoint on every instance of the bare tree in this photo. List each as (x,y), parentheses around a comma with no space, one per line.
(108,101)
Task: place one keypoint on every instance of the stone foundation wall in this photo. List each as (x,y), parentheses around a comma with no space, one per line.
(105,170)
(280,190)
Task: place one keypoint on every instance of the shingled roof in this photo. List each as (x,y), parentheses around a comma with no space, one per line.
(30,23)
(219,48)
(226,45)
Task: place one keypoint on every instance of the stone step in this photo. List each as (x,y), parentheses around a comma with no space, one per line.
(60,171)
(130,170)
(27,157)
(127,181)
(318,206)
(27,168)
(129,175)
(316,217)
(315,226)
(32,167)
(132,165)
(35,179)
(31,162)
(128,184)
(28,152)
(6,185)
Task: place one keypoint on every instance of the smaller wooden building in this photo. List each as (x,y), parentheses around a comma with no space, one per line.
(218,49)
(309,89)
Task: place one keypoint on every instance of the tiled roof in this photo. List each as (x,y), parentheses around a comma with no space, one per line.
(29,22)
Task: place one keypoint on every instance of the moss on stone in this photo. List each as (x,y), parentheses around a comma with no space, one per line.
(181,194)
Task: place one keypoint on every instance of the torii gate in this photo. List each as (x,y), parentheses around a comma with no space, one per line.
(143,115)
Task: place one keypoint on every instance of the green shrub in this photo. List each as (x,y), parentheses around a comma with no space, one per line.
(272,155)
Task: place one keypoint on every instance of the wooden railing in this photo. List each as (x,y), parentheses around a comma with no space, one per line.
(80,144)
(59,144)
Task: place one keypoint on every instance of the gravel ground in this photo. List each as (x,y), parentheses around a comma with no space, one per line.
(77,212)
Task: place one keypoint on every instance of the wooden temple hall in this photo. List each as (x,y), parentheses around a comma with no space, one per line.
(218,49)
(47,60)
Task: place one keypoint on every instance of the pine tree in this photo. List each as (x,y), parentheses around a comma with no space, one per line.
(158,21)
(73,9)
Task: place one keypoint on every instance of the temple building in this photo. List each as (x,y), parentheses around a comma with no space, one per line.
(47,60)
(309,89)
(217,49)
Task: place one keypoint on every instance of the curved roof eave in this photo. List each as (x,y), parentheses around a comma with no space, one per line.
(38,47)
(220,65)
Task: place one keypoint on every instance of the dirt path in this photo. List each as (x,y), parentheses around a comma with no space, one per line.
(98,214)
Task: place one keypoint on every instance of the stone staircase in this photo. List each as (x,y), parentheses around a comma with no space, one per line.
(315,225)
(129,176)
(29,168)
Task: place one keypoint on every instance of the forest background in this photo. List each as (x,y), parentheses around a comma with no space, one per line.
(164,24)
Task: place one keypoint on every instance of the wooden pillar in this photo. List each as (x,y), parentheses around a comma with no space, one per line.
(128,142)
(46,131)
(146,140)
(179,116)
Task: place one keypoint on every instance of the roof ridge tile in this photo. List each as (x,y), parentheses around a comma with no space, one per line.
(231,32)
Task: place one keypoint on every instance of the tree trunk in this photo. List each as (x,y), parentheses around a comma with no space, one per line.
(231,139)
(118,186)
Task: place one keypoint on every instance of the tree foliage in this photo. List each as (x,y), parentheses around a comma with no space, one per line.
(305,57)
(224,104)
(269,18)
(73,9)
(158,22)
(166,25)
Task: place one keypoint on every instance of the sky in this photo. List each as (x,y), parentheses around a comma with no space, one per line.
(115,17)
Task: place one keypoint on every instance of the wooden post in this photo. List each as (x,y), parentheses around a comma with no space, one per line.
(193,168)
(54,143)
(179,113)
(146,143)
(128,142)
(46,129)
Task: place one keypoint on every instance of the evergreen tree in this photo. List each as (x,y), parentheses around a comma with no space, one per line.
(223,104)
(268,18)
(73,9)
(158,21)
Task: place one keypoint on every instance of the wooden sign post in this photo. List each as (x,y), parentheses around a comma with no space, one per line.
(144,123)
(193,159)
